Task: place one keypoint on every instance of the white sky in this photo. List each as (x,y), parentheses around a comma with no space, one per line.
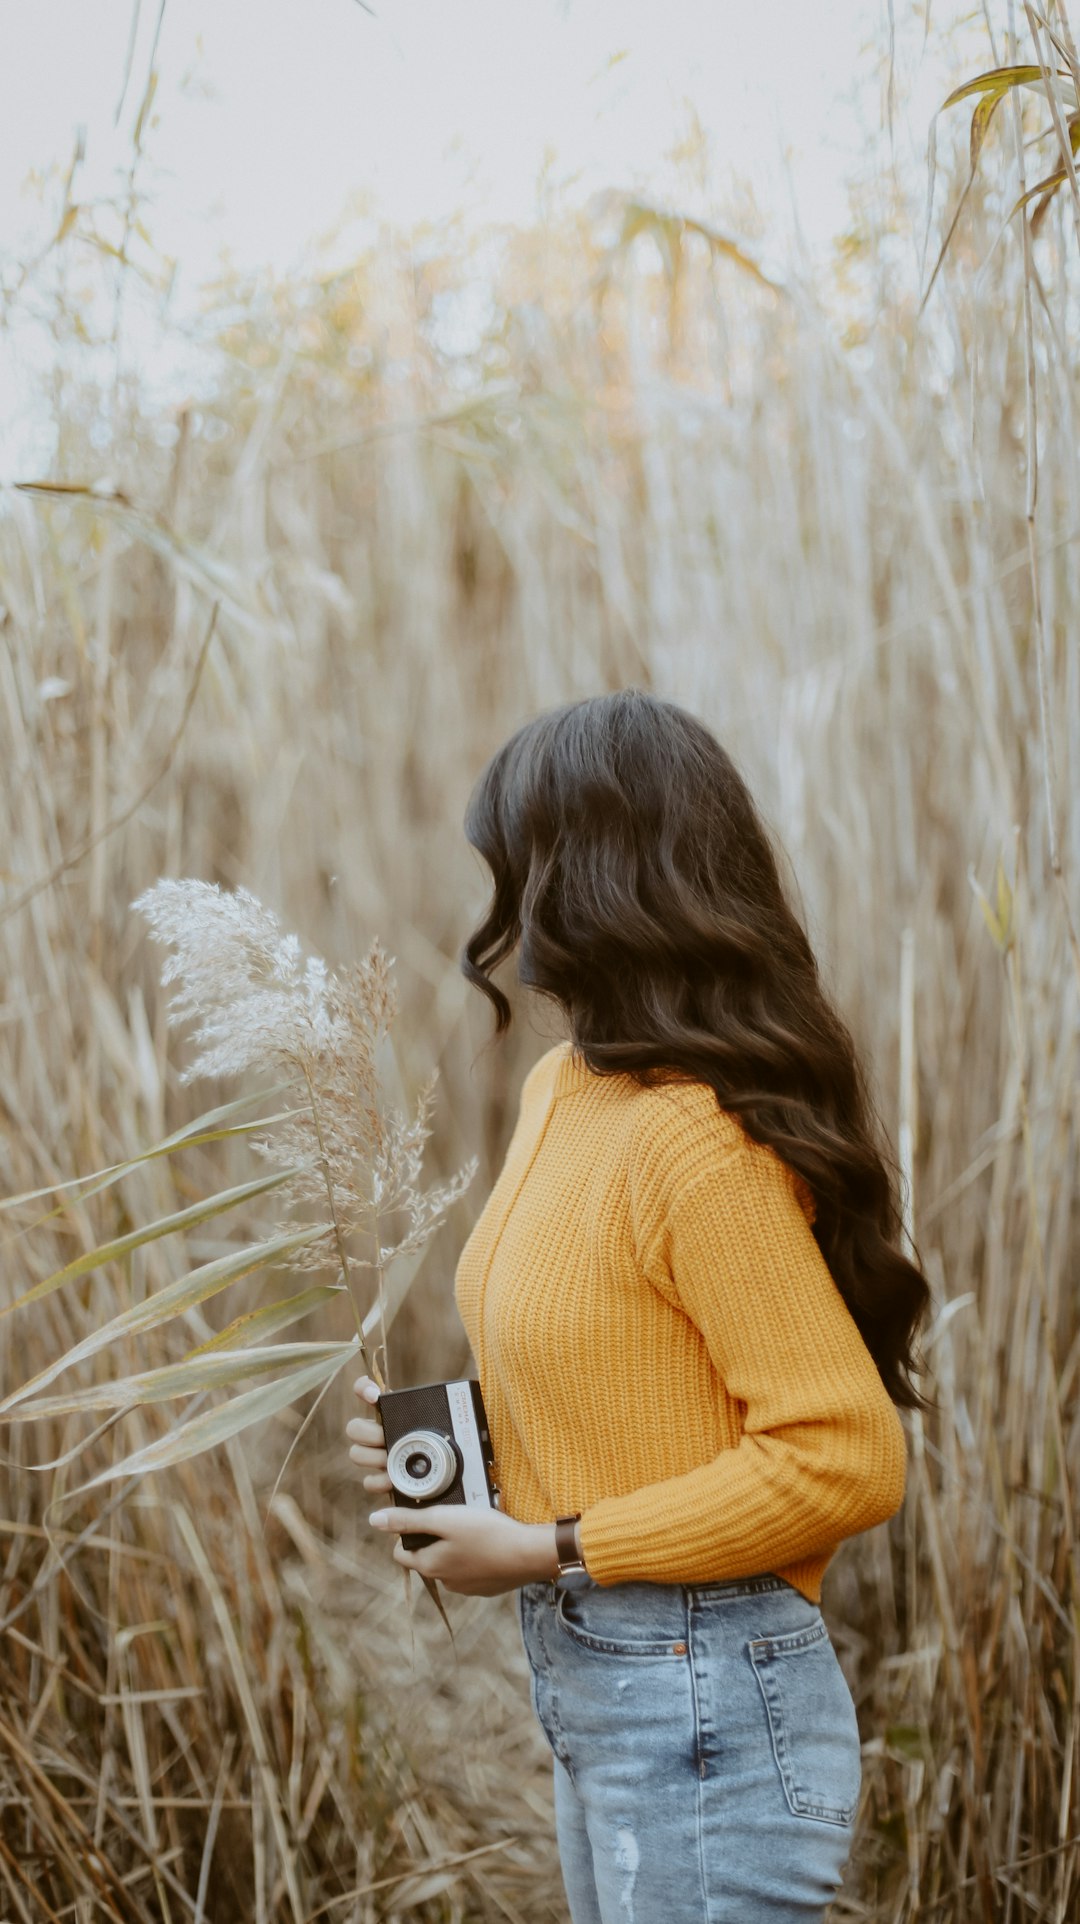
(273,116)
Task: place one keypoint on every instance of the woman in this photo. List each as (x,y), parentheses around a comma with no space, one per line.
(691,1322)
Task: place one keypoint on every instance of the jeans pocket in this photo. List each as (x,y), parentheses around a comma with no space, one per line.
(812,1722)
(620,1621)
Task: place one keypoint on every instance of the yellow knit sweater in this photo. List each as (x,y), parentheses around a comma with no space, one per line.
(660,1344)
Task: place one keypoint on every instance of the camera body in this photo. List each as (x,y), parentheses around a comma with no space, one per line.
(438,1449)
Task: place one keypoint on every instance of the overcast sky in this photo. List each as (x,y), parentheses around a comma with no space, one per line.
(272,116)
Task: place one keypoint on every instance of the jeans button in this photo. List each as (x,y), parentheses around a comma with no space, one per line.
(678,1649)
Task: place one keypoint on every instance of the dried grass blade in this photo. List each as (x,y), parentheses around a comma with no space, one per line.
(1049,185)
(220,1371)
(199,1212)
(999,80)
(98,1870)
(196,1287)
(385,1308)
(212,1826)
(251,1713)
(45,1909)
(217,1425)
(203,570)
(202,1129)
(269,1320)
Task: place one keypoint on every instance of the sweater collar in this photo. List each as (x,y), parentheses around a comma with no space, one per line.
(571,1071)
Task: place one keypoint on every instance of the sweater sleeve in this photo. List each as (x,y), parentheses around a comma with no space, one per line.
(723,1232)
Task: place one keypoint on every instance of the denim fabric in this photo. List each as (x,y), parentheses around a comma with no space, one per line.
(707,1756)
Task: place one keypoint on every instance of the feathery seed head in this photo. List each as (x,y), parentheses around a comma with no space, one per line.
(256,1002)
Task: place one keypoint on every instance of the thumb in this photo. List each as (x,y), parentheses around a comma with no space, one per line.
(388,1519)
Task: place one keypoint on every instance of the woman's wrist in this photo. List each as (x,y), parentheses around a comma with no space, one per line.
(541,1559)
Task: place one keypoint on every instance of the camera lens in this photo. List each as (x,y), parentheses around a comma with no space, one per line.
(423,1465)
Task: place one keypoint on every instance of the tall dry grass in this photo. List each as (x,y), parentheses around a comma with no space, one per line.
(804,512)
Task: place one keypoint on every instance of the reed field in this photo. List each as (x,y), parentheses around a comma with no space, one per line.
(267,636)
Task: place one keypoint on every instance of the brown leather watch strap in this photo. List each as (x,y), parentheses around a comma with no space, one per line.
(565,1547)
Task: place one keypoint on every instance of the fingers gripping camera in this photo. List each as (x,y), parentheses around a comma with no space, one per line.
(438,1449)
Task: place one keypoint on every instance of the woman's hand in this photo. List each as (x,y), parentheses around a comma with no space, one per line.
(368,1441)
(480,1553)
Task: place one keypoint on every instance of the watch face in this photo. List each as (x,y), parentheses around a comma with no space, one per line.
(573,1579)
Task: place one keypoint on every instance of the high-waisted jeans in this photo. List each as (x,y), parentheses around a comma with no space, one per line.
(706,1747)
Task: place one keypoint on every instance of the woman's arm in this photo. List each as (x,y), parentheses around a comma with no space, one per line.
(822,1454)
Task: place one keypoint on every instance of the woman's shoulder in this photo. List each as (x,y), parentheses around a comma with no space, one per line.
(543,1071)
(683,1136)
(677,1133)
(681,1127)
(677,1109)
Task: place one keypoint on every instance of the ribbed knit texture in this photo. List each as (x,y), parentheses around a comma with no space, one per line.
(660,1344)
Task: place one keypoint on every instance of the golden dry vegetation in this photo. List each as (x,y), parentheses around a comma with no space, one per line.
(807,512)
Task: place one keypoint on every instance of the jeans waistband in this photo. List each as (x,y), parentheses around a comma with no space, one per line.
(728,1587)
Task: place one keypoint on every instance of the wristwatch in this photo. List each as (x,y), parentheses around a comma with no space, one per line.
(571,1573)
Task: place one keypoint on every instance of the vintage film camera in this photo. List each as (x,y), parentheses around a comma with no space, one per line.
(438,1449)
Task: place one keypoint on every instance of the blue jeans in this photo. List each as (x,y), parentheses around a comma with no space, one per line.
(707,1754)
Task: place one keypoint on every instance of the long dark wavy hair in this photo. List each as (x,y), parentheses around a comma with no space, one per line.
(634,876)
